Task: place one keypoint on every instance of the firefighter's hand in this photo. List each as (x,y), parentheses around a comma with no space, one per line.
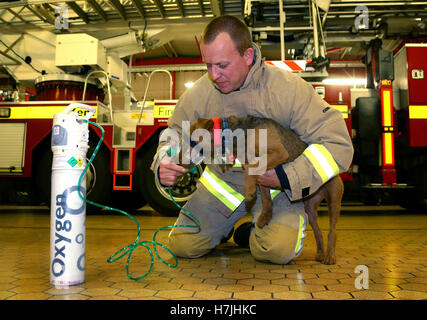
(169,171)
(269,179)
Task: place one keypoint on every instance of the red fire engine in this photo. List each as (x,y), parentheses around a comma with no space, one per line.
(120,173)
(387,128)
(390,142)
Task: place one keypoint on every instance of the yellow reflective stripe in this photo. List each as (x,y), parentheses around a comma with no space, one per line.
(34,112)
(39,112)
(388,148)
(237,163)
(387,121)
(301,235)
(330,159)
(227,195)
(417,112)
(322,161)
(274,193)
(11,171)
(343,108)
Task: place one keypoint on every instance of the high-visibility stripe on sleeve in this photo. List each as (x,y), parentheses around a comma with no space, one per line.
(322,161)
(237,163)
(301,235)
(274,193)
(227,195)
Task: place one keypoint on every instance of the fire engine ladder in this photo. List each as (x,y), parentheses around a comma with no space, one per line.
(274,23)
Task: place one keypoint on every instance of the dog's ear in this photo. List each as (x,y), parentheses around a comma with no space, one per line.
(205,123)
(232,120)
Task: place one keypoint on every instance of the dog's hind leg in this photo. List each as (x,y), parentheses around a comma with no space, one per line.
(250,189)
(267,207)
(335,191)
(310,206)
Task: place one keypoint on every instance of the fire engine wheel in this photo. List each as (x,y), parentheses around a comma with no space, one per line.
(157,196)
(98,178)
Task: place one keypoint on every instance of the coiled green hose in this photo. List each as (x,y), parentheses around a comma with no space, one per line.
(128,250)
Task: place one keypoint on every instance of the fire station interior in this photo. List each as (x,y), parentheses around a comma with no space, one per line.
(127,63)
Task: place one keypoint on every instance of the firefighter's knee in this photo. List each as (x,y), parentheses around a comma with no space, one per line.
(275,243)
(189,245)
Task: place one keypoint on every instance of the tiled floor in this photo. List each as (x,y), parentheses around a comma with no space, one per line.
(391,242)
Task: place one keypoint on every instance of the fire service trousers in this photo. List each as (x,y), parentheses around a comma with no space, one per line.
(278,242)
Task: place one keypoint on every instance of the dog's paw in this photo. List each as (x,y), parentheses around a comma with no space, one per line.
(263,219)
(320,256)
(329,259)
(261,223)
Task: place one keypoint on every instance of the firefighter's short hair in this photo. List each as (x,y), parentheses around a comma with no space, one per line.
(236,29)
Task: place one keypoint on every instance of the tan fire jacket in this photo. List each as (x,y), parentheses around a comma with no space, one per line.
(270,92)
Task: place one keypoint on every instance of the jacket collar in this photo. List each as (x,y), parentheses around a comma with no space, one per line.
(256,70)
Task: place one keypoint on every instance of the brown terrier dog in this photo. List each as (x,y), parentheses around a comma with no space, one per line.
(283,145)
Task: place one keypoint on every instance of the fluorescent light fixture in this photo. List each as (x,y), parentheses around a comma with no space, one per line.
(189,84)
(345,81)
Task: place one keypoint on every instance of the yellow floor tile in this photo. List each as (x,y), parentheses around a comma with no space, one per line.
(238,275)
(287,282)
(175,294)
(252,295)
(371,295)
(162,286)
(5,294)
(418,280)
(409,295)
(212,295)
(271,288)
(198,286)
(92,292)
(292,295)
(307,287)
(71,297)
(302,276)
(220,281)
(136,293)
(29,296)
(332,295)
(234,288)
(116,297)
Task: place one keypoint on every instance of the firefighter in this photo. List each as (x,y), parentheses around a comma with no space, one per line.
(240,83)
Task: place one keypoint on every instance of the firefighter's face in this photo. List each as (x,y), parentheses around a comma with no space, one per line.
(226,67)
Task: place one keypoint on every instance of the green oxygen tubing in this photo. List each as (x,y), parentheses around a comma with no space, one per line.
(128,250)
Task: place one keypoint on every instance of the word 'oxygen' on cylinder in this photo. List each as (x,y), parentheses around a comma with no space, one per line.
(70,142)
